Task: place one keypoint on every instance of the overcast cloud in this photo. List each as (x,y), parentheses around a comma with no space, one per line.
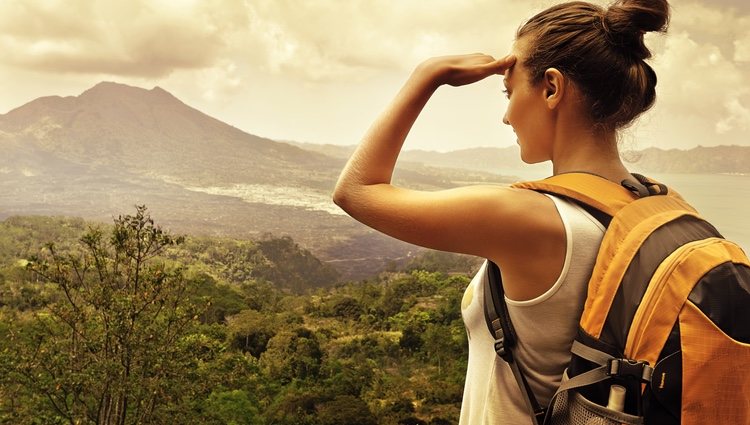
(320,70)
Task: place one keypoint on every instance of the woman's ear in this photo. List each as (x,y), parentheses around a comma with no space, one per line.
(554,87)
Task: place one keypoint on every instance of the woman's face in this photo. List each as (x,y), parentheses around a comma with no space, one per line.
(527,111)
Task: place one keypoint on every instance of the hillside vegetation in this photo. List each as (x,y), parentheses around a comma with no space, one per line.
(128,324)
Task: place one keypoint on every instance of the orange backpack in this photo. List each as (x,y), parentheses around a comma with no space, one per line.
(666,318)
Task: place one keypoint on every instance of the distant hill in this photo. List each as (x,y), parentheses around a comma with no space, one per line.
(506,160)
(699,160)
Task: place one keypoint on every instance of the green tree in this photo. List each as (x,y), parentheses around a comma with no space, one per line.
(232,408)
(411,338)
(292,355)
(445,262)
(345,410)
(250,331)
(222,300)
(292,267)
(112,348)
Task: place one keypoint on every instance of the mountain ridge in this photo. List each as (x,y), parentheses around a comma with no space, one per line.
(98,154)
(721,159)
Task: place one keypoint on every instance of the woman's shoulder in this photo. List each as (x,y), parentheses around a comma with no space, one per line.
(532,244)
(524,213)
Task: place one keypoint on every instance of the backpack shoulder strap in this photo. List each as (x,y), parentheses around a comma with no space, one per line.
(589,189)
(501,328)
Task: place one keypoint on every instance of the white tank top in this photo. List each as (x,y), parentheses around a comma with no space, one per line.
(546,327)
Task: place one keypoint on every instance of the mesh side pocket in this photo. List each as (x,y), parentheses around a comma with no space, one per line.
(571,408)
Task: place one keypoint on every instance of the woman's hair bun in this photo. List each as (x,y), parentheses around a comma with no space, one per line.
(602,51)
(627,20)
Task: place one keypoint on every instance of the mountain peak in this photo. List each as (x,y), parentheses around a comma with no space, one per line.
(151,131)
(108,89)
(106,98)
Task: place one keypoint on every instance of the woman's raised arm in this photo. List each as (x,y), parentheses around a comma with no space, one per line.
(491,221)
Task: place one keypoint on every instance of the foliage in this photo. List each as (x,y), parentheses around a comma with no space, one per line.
(112,347)
(234,407)
(250,331)
(279,261)
(222,300)
(443,262)
(290,355)
(292,266)
(128,324)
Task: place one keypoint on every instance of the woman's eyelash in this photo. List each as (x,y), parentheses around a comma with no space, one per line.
(507,93)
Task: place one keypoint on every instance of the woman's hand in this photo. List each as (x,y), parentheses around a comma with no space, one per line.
(463,69)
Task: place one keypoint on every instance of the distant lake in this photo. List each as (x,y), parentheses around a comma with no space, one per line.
(724,200)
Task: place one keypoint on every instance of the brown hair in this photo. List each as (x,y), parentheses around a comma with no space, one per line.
(602,51)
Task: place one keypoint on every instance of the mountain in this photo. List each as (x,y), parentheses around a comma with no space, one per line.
(114,146)
(121,128)
(698,160)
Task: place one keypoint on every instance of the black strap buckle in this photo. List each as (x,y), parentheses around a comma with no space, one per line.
(633,368)
(502,350)
(540,415)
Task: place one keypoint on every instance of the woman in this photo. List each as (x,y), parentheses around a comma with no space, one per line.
(575,75)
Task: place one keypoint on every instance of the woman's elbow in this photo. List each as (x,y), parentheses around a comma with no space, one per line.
(341,196)
(351,197)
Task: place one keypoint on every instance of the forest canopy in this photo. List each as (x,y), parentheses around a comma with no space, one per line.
(129,324)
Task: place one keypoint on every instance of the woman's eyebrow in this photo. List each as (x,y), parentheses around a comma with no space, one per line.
(508,73)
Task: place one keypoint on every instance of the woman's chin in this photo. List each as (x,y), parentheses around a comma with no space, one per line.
(531,159)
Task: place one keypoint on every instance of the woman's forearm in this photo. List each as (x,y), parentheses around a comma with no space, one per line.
(374,159)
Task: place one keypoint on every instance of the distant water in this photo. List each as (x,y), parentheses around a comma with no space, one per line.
(724,200)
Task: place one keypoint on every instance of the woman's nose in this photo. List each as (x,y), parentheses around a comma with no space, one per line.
(505,119)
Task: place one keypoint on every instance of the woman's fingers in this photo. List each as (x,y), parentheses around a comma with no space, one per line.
(472,68)
(499,66)
(507,62)
(464,69)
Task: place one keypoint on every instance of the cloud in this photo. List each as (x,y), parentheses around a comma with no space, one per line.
(738,115)
(311,40)
(133,38)
(218,82)
(742,46)
(329,39)
(698,68)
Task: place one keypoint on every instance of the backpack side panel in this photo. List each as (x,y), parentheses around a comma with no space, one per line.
(715,372)
(715,346)
(655,249)
(669,289)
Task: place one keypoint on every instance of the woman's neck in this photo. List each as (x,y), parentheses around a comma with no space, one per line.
(589,152)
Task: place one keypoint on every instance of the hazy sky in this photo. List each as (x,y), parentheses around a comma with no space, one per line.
(321,70)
